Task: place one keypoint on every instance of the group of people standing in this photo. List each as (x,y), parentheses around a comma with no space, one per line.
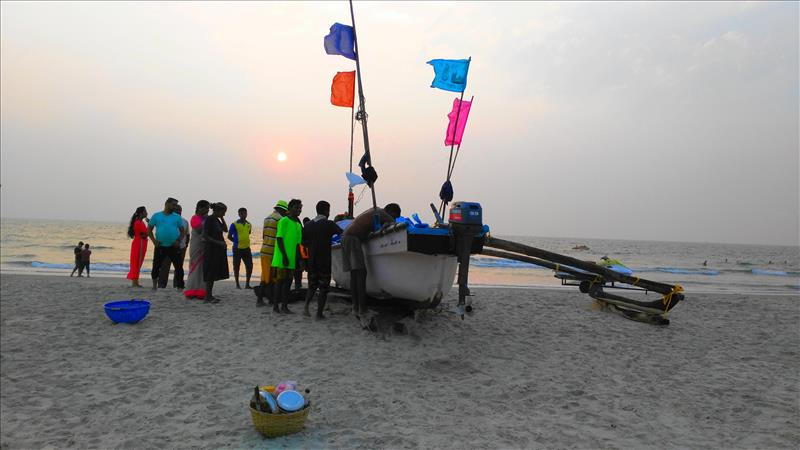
(172,236)
(288,247)
(83,258)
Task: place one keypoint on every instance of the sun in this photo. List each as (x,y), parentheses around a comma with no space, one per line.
(281,157)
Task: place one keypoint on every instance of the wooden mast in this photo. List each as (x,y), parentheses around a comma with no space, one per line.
(362,112)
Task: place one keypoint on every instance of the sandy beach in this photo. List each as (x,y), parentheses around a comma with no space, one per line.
(531,368)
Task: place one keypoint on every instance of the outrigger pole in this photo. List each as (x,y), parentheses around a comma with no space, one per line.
(361,115)
(593,279)
(605,273)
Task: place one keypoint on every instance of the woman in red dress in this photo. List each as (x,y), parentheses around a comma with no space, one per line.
(137,230)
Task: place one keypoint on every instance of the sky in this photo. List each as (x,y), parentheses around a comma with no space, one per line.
(668,121)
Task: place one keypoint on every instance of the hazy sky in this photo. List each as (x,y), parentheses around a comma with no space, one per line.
(656,121)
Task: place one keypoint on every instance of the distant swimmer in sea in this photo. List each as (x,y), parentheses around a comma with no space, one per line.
(705,263)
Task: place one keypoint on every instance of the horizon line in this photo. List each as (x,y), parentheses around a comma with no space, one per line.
(500,234)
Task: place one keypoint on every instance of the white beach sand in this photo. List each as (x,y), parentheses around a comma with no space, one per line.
(531,368)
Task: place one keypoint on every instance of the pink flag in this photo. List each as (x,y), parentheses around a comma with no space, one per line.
(456,131)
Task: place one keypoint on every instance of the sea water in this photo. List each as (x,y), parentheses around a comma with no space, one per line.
(45,246)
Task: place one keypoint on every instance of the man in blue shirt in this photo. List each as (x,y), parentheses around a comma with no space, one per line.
(169,232)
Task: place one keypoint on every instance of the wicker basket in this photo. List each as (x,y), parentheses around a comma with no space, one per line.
(274,425)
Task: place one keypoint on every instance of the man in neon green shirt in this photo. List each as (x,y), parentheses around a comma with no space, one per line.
(288,236)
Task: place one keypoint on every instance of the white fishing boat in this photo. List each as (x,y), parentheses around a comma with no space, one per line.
(404,262)
(411,261)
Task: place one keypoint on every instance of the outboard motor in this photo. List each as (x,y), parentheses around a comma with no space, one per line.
(466,222)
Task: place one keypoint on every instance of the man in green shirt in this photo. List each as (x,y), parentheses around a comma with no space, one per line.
(288,236)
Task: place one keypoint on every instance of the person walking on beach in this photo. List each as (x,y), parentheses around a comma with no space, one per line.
(169,232)
(215,262)
(353,254)
(289,235)
(137,230)
(317,234)
(266,287)
(239,234)
(77,251)
(86,256)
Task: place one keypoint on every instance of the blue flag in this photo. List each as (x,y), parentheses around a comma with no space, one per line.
(340,41)
(353,179)
(451,74)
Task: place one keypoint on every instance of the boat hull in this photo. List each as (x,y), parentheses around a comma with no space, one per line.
(397,268)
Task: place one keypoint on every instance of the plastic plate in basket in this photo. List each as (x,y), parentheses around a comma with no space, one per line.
(270,401)
(291,401)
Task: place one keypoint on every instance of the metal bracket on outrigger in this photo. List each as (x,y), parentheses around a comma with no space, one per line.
(592,278)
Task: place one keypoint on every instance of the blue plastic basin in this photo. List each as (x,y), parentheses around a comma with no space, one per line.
(127,311)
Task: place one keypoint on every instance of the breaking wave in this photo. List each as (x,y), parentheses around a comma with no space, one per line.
(100,267)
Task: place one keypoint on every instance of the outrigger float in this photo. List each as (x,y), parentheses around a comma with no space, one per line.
(416,264)
(594,279)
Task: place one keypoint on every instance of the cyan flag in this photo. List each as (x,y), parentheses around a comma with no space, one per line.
(451,74)
(340,41)
(353,179)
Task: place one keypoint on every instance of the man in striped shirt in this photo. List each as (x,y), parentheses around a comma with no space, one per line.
(267,251)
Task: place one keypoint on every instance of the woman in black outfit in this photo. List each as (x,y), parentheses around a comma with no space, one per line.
(215,262)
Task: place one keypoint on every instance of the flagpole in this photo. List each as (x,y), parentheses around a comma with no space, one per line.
(455,129)
(350,188)
(361,109)
(452,144)
(453,166)
(352,132)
